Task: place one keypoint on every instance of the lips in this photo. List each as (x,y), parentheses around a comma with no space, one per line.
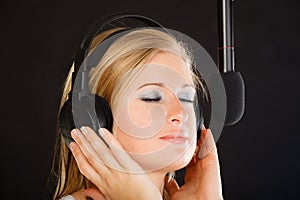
(174,138)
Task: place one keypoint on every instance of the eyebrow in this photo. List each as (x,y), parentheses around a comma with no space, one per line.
(163,85)
(188,85)
(157,84)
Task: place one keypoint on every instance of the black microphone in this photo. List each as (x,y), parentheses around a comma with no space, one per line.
(233,81)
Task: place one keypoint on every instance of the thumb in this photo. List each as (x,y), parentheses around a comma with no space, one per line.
(93,193)
(171,186)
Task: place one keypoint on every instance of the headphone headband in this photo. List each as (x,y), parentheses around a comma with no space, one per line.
(95,29)
(99,26)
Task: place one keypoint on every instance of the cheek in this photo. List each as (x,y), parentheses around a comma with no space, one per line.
(190,120)
(134,144)
(128,143)
(139,113)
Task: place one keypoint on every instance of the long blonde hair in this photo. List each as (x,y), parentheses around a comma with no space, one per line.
(108,79)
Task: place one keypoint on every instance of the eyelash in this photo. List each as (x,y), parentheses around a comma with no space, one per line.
(186,100)
(146,99)
(156,99)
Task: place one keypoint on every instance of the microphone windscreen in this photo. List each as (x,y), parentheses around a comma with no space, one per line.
(235,95)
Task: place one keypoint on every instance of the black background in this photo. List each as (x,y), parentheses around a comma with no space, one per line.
(259,156)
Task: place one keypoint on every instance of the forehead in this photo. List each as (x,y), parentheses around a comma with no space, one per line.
(165,69)
(175,64)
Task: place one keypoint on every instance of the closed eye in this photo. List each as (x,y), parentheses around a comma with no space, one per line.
(186,95)
(151,99)
(186,100)
(151,96)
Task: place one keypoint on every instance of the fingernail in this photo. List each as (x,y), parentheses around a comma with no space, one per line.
(74,133)
(102,132)
(104,136)
(72,146)
(84,130)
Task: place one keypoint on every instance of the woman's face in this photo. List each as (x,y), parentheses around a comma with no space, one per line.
(155,120)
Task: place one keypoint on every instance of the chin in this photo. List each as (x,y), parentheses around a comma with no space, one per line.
(164,161)
(182,162)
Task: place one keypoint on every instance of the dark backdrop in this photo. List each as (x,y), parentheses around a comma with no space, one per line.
(259,156)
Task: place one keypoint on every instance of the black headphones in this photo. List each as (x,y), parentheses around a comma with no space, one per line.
(83,108)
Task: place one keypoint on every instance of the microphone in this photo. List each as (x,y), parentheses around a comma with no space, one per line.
(233,80)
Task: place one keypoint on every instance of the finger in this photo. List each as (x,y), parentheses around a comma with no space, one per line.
(89,152)
(202,136)
(101,149)
(94,194)
(201,150)
(84,166)
(119,153)
(207,144)
(171,186)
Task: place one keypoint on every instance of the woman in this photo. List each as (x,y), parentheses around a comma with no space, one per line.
(147,79)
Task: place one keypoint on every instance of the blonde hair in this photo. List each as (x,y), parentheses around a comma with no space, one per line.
(108,79)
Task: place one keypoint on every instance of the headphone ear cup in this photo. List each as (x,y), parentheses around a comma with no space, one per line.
(103,113)
(200,126)
(92,111)
(66,122)
(200,123)
(199,109)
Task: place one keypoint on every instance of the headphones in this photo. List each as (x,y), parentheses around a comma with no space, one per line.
(85,109)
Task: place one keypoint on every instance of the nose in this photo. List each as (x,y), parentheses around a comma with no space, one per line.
(175,113)
(175,119)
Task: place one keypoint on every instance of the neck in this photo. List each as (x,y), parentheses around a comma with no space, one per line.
(158,179)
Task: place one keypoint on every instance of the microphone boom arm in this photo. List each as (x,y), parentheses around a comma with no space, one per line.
(226,36)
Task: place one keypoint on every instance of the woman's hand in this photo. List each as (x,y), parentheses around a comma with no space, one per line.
(202,178)
(110,169)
